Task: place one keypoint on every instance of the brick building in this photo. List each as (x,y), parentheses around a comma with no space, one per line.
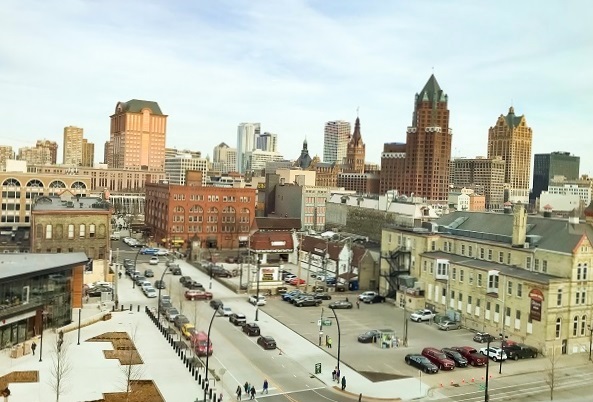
(212,217)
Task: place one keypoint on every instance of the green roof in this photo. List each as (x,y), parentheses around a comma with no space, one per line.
(511,119)
(136,106)
(432,91)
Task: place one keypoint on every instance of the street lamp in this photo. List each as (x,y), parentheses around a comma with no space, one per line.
(44,314)
(135,261)
(257,291)
(208,352)
(502,338)
(339,336)
(590,328)
(486,396)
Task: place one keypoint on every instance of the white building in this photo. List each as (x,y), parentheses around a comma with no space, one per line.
(459,200)
(246,133)
(298,176)
(267,142)
(224,158)
(335,141)
(583,192)
(256,160)
(176,167)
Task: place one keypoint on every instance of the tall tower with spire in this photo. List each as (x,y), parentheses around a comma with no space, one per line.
(420,167)
(355,152)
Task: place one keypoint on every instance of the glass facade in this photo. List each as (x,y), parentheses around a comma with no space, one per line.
(25,299)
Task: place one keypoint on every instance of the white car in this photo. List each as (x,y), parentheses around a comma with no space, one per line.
(161,252)
(494,353)
(145,284)
(289,278)
(422,315)
(150,292)
(367,295)
(224,311)
(154,261)
(260,301)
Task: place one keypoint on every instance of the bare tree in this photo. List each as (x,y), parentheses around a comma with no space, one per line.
(60,367)
(130,365)
(550,373)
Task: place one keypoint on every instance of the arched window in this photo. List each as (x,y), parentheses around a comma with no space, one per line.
(575,325)
(57,184)
(558,327)
(583,324)
(59,231)
(82,230)
(102,231)
(48,231)
(78,185)
(11,182)
(39,231)
(92,230)
(71,231)
(35,183)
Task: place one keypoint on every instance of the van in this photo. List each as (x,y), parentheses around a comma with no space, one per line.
(201,343)
(115,236)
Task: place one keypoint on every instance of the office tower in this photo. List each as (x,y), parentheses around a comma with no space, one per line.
(510,138)
(246,134)
(88,153)
(484,176)
(355,151)
(72,152)
(177,165)
(35,155)
(226,157)
(267,142)
(53,149)
(256,160)
(138,133)
(6,153)
(420,167)
(335,141)
(546,166)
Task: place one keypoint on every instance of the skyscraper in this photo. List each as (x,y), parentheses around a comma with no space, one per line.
(138,133)
(246,134)
(53,149)
(225,158)
(72,153)
(546,166)
(421,165)
(484,176)
(88,153)
(510,138)
(335,141)
(267,142)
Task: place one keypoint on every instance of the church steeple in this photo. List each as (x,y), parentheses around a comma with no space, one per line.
(356,138)
(355,153)
(304,161)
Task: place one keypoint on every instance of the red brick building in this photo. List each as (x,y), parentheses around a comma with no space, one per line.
(423,168)
(214,217)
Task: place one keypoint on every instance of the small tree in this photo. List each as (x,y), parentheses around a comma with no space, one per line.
(550,373)
(130,366)
(60,367)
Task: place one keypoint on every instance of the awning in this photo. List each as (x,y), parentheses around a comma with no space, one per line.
(243,238)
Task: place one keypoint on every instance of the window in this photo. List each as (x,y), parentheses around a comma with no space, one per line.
(536,267)
(509,288)
(517,314)
(452,295)
(460,297)
(82,230)
(508,258)
(71,231)
(92,230)
(479,280)
(544,266)
(497,308)
(583,324)
(454,273)
(489,255)
(488,306)
(425,265)
(585,271)
(470,251)
(507,312)
(477,302)
(583,296)
(461,272)
(519,290)
(481,253)
(579,272)
(500,257)
(559,298)
(433,245)
(471,278)
(431,267)
(528,263)
(575,325)
(493,281)
(48,231)
(463,249)
(469,299)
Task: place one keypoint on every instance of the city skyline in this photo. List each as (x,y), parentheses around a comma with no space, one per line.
(293,66)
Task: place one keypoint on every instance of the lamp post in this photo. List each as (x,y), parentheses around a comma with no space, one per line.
(44,314)
(339,336)
(590,328)
(208,352)
(502,338)
(486,396)
(135,261)
(158,308)
(405,324)
(257,291)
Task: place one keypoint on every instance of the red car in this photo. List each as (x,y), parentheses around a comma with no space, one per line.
(297,281)
(439,358)
(196,294)
(471,354)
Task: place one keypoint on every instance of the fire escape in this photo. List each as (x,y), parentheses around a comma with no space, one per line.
(399,261)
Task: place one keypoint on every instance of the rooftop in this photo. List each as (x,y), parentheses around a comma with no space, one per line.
(56,203)
(16,264)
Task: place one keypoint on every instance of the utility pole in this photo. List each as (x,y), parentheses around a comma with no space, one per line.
(299,261)
(405,323)
(321,326)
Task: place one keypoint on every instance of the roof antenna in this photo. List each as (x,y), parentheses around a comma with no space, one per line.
(357,108)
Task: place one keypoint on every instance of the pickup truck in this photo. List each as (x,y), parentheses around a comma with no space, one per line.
(473,357)
(422,315)
(520,351)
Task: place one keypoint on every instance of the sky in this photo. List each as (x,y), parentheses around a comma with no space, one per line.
(293,65)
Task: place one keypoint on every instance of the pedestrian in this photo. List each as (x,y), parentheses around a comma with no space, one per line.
(252,392)
(329,343)
(334,375)
(338,375)
(326,338)
(347,300)
(358,304)
(265,388)
(246,386)
(343,383)
(33,347)
(360,397)
(239,392)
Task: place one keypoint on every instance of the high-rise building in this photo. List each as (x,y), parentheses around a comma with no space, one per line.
(176,166)
(420,167)
(53,149)
(484,176)
(510,138)
(256,160)
(225,157)
(88,153)
(355,151)
(138,133)
(72,152)
(546,166)
(246,134)
(6,153)
(35,155)
(267,142)
(335,141)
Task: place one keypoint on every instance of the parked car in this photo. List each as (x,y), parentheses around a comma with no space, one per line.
(171,313)
(193,285)
(369,336)
(472,355)
(266,342)
(218,271)
(439,358)
(483,337)
(150,292)
(184,279)
(289,296)
(180,320)
(259,300)
(197,294)
(251,329)
(494,353)
(297,281)
(224,311)
(447,325)
(331,281)
(237,319)
(161,252)
(165,299)
(454,355)
(115,236)
(421,363)
(139,279)
(175,270)
(215,303)
(375,299)
(289,277)
(97,290)
(308,301)
(340,304)
(154,261)
(520,351)
(201,343)
(145,284)
(187,330)
(149,273)
(165,305)
(422,315)
(158,284)
(366,294)
(148,250)
(322,296)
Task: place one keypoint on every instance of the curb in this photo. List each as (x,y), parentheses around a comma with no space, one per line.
(354,396)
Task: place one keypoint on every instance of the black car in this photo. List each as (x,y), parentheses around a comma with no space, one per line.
(215,304)
(237,319)
(251,329)
(520,351)
(369,336)
(374,299)
(483,337)
(454,355)
(422,363)
(340,304)
(158,284)
(97,290)
(193,285)
(266,342)
(175,270)
(218,271)
(184,279)
(180,320)
(149,273)
(308,301)
(322,296)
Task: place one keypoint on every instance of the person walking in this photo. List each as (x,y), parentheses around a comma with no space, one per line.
(338,375)
(360,397)
(334,375)
(358,304)
(265,388)
(33,347)
(343,383)
(246,386)
(239,392)
(252,392)
(329,342)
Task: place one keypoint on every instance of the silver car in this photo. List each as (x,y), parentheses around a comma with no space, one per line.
(447,325)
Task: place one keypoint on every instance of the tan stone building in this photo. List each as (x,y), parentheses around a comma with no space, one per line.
(527,277)
(53,149)
(72,150)
(6,153)
(484,176)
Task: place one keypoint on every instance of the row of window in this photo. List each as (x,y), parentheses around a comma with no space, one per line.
(57,231)
(211,198)
(38,184)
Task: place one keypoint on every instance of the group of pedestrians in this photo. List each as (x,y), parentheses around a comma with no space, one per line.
(336,377)
(250,390)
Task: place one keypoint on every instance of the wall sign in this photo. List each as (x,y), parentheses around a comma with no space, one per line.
(535,310)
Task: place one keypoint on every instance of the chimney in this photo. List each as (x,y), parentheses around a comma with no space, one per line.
(519,225)
(573,218)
